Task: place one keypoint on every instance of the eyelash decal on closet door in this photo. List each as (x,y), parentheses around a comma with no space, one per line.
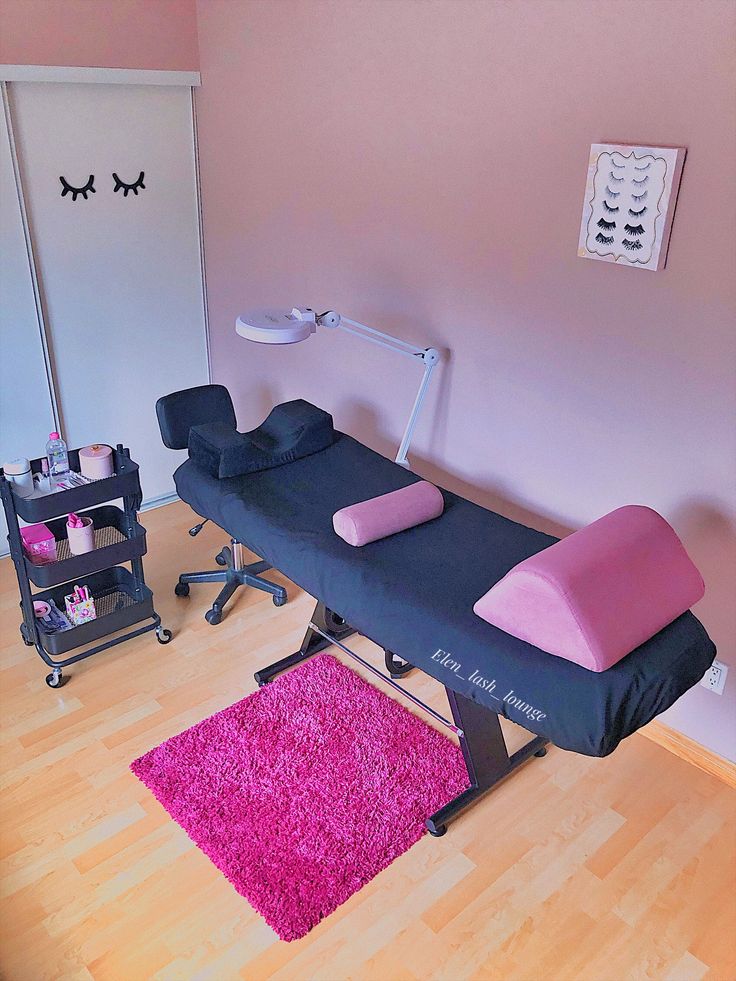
(76,191)
(607,225)
(607,207)
(612,194)
(134,187)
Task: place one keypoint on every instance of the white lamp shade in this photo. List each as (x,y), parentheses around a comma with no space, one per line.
(274,326)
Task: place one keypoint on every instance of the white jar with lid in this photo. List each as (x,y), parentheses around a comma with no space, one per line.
(18,472)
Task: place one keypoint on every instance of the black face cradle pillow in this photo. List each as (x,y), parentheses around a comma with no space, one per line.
(291,431)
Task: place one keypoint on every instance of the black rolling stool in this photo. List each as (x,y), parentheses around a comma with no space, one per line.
(176,414)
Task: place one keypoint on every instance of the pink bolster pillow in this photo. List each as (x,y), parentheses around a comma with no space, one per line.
(385,515)
(595,596)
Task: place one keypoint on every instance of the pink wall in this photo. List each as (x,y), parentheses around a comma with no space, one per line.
(158,34)
(421,167)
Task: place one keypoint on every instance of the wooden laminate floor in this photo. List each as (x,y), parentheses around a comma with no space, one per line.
(575,868)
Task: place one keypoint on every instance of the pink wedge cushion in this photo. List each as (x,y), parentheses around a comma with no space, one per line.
(599,593)
(389,513)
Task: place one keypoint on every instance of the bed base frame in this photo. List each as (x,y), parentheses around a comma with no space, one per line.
(479,730)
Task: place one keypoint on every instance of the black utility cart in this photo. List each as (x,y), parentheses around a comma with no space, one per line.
(121,597)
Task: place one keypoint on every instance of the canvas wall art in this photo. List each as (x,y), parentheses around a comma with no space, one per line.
(630,198)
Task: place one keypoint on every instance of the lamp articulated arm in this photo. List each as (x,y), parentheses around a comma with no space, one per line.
(428,356)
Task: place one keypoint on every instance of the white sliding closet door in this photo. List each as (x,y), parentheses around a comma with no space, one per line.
(121,273)
(26,414)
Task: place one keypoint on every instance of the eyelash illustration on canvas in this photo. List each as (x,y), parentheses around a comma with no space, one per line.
(612,194)
(639,197)
(640,183)
(618,166)
(634,229)
(76,191)
(606,225)
(637,214)
(121,185)
(632,246)
(645,167)
(616,180)
(604,239)
(612,211)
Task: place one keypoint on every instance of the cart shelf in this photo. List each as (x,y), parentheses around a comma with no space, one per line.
(120,600)
(124,481)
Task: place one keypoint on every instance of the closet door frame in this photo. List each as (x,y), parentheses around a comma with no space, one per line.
(107,76)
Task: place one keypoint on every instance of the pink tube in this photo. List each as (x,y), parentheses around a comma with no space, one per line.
(388,514)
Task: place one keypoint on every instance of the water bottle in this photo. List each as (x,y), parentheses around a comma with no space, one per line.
(57,457)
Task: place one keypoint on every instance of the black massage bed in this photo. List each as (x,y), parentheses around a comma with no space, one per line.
(413,593)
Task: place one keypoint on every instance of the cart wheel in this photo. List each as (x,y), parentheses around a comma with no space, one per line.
(213,616)
(163,636)
(279,599)
(56,679)
(26,641)
(220,559)
(181,589)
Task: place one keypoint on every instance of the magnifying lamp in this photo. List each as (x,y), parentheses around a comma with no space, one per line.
(280,327)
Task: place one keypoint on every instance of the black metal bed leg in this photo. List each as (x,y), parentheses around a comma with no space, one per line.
(395,666)
(485,754)
(312,643)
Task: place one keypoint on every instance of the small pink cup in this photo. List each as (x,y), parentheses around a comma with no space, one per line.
(82,539)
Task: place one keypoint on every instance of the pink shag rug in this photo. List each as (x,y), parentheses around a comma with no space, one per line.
(305,790)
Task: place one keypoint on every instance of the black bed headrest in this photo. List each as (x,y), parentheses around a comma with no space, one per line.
(291,431)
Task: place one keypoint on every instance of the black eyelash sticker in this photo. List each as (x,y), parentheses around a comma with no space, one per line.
(645,167)
(637,214)
(632,246)
(618,166)
(75,191)
(640,183)
(612,194)
(604,239)
(607,225)
(121,185)
(607,207)
(634,229)
(616,180)
(639,197)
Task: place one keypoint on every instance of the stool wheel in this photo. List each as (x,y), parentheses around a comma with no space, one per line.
(279,600)
(181,589)
(213,616)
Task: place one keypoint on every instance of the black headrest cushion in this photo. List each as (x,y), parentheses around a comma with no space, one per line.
(291,431)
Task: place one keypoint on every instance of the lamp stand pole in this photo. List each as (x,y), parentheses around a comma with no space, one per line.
(428,356)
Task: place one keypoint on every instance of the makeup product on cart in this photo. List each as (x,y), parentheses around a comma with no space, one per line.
(38,544)
(18,472)
(80,607)
(80,534)
(49,617)
(58,457)
(95,461)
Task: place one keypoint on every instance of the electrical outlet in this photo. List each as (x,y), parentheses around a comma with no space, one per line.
(714,678)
